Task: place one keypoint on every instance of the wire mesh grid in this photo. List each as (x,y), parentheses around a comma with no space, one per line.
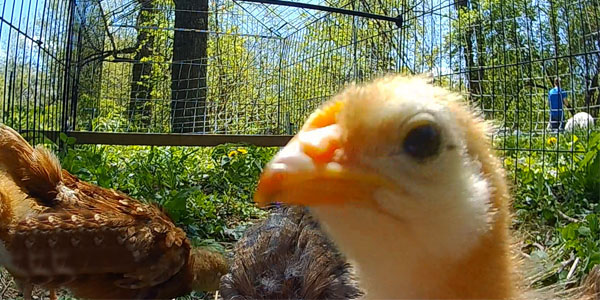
(246,75)
(33,64)
(212,75)
(237,67)
(504,57)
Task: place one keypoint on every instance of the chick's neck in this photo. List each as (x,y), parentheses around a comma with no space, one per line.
(401,261)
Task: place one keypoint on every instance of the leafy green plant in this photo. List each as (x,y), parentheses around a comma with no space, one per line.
(207,191)
(584,239)
(557,195)
(590,166)
(237,169)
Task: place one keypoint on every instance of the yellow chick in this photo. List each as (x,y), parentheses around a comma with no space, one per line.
(402,177)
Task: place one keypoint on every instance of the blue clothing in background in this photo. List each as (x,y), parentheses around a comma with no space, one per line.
(555,101)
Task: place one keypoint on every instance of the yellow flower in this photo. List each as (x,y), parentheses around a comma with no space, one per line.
(551,141)
(232,153)
(242,150)
(575,138)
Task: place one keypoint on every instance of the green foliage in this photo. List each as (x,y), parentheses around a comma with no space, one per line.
(206,191)
(557,195)
(584,239)
(238,169)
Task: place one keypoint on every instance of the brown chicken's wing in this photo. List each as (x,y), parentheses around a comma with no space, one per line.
(56,248)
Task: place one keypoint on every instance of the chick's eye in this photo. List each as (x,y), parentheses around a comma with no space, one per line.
(423,142)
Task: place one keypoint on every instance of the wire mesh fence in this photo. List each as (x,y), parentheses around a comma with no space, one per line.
(254,68)
(214,74)
(34,59)
(250,68)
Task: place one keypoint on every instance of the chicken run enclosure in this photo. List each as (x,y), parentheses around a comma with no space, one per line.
(200,72)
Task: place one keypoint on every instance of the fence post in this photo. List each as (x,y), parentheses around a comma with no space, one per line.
(68,63)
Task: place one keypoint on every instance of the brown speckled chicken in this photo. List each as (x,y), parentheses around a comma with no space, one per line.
(57,231)
(287,256)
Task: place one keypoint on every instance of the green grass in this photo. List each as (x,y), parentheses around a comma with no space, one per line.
(207,191)
(556,200)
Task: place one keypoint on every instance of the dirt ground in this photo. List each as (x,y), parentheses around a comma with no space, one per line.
(9,290)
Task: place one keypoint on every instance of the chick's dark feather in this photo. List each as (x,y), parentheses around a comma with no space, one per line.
(287,256)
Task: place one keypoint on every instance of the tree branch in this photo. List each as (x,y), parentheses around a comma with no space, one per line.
(110,36)
(535,85)
(105,54)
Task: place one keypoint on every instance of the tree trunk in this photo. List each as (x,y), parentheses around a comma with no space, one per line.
(141,88)
(188,73)
(474,70)
(481,55)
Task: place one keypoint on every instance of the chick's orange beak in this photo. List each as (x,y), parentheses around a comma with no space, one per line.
(311,170)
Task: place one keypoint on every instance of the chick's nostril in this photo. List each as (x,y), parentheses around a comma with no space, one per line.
(321,144)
